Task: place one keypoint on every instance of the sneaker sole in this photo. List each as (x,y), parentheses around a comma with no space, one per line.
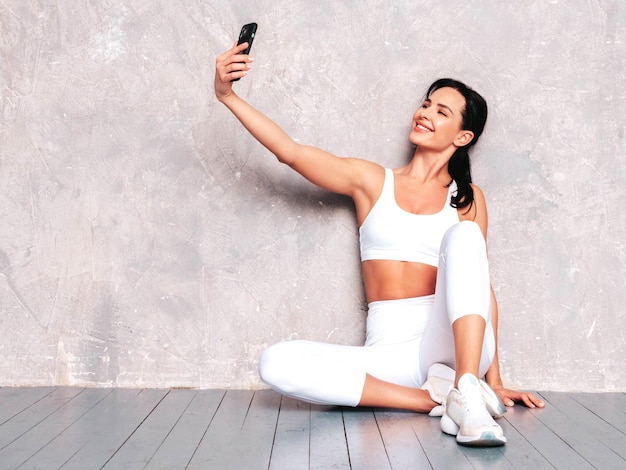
(486,438)
(448,426)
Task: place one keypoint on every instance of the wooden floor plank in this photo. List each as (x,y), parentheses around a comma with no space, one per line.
(365,443)
(242,442)
(38,437)
(611,407)
(591,436)
(141,446)
(544,439)
(328,439)
(216,447)
(97,435)
(519,453)
(170,429)
(490,459)
(494,458)
(257,435)
(34,414)
(292,437)
(441,450)
(183,439)
(121,424)
(401,443)
(16,399)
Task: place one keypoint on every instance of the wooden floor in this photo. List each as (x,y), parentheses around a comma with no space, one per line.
(78,428)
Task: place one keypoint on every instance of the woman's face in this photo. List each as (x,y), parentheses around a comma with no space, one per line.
(437,123)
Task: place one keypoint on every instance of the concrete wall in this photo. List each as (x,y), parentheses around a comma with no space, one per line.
(147,240)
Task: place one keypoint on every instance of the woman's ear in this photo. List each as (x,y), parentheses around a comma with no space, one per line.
(463,138)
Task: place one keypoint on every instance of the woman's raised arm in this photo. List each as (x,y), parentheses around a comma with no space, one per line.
(348,176)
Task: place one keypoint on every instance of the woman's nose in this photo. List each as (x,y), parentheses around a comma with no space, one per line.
(424,114)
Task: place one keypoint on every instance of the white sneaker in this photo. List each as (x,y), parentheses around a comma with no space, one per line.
(466,416)
(441,380)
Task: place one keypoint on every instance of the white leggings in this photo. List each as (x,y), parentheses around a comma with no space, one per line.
(404,337)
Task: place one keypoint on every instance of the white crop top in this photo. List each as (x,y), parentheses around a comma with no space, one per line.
(391,233)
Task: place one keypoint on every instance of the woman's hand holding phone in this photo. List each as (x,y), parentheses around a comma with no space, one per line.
(234,63)
(229,66)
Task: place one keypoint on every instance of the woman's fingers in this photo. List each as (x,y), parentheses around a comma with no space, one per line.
(509,397)
(533,400)
(234,55)
(239,48)
(231,64)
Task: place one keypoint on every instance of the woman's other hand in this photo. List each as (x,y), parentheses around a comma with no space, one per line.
(229,66)
(510,397)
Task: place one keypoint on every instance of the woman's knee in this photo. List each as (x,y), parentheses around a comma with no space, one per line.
(464,234)
(466,271)
(277,363)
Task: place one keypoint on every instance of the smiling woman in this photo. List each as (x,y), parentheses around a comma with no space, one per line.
(473,116)
(432,315)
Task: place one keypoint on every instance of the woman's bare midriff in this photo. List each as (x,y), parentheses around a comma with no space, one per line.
(392,280)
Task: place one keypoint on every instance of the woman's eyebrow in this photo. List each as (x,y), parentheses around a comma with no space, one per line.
(441,105)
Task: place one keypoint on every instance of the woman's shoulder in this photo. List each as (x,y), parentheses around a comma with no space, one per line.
(372,173)
(372,179)
(478,193)
(369,165)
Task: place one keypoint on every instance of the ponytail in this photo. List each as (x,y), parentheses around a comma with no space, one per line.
(460,170)
(473,119)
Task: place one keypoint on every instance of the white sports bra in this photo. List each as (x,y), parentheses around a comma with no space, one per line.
(391,233)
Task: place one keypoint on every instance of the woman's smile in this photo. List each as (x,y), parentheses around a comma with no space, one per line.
(421,126)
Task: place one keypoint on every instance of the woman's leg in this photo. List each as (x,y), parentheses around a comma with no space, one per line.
(332,374)
(320,373)
(379,393)
(459,333)
(383,373)
(469,334)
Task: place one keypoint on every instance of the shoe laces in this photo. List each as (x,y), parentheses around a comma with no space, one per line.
(472,401)
(470,395)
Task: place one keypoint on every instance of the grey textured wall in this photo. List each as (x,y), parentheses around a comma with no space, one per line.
(147,240)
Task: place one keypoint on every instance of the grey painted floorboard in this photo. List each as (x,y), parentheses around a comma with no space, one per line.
(592,437)
(28,418)
(547,443)
(14,400)
(241,433)
(402,446)
(611,407)
(365,445)
(254,443)
(140,447)
(96,436)
(328,439)
(441,450)
(121,424)
(183,439)
(518,452)
(292,437)
(52,428)
(29,444)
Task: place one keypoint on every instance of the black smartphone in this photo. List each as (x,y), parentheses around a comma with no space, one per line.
(247,33)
